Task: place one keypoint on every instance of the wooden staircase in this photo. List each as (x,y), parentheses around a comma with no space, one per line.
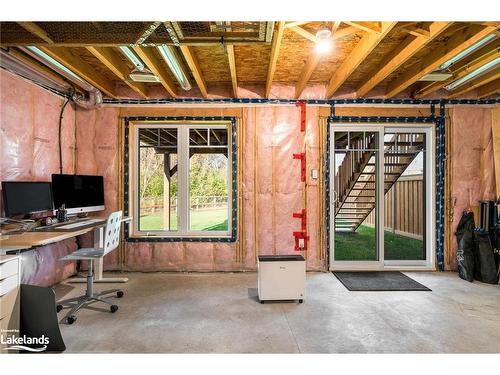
(355,177)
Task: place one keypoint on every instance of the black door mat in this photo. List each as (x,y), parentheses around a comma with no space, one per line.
(378,281)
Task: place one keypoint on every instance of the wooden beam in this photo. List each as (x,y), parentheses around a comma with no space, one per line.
(460,71)
(192,62)
(304,33)
(275,49)
(83,69)
(311,64)
(36,30)
(457,43)
(232,69)
(295,23)
(418,30)
(475,83)
(307,72)
(489,89)
(371,27)
(364,47)
(410,46)
(153,63)
(113,61)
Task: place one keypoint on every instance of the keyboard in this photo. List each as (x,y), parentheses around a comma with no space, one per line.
(79,224)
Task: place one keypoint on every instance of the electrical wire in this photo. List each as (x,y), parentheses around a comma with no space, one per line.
(60,131)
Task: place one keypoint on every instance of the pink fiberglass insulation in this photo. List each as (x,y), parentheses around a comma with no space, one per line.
(29,119)
(41,266)
(97,143)
(264,130)
(248,161)
(313,161)
(472,162)
(288,187)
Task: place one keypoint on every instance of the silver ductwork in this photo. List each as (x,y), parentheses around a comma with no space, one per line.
(92,98)
(17,66)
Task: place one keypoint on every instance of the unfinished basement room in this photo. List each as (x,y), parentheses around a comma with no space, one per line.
(172,184)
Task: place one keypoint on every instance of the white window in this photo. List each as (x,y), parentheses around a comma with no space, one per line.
(182,180)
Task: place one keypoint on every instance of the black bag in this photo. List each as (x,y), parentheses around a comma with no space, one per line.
(465,251)
(485,269)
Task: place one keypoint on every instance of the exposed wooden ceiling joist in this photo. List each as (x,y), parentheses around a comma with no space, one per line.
(304,33)
(459,41)
(157,67)
(356,57)
(192,62)
(275,49)
(311,64)
(113,61)
(84,70)
(371,27)
(36,30)
(295,23)
(232,69)
(410,46)
(478,82)
(460,72)
(489,89)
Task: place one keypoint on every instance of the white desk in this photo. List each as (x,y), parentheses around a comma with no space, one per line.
(28,240)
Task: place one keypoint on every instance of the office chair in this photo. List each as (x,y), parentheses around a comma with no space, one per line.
(111,240)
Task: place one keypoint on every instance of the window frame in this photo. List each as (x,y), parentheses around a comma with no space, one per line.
(131,188)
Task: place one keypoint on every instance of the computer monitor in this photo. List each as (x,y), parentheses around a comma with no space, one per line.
(23,198)
(79,193)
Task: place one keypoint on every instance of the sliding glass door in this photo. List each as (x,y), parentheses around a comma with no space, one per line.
(382,197)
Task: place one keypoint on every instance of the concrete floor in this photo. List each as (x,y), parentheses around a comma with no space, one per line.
(219,313)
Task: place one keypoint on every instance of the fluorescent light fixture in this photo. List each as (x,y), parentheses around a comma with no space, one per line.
(468,51)
(132,57)
(436,77)
(170,58)
(38,52)
(475,73)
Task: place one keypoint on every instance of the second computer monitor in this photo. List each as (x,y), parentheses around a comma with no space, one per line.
(79,193)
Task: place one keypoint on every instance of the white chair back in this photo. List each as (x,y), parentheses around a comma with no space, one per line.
(112,232)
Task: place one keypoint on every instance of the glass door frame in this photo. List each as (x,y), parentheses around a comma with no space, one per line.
(430,192)
(379,201)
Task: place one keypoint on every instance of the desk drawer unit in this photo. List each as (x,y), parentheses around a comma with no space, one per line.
(281,277)
(9,296)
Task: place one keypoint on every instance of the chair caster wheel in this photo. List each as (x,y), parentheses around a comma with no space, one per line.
(301,300)
(113,308)
(119,294)
(71,319)
(59,308)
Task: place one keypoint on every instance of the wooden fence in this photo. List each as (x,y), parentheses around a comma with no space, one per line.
(404,207)
(151,205)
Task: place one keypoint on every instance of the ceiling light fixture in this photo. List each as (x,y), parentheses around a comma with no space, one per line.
(468,51)
(139,65)
(42,56)
(140,73)
(475,73)
(323,40)
(170,58)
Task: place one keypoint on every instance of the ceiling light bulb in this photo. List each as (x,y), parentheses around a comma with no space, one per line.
(323,46)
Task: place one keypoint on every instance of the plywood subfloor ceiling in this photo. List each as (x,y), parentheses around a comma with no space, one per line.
(367,59)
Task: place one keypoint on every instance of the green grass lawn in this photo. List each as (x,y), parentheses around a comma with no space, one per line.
(360,245)
(200,220)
